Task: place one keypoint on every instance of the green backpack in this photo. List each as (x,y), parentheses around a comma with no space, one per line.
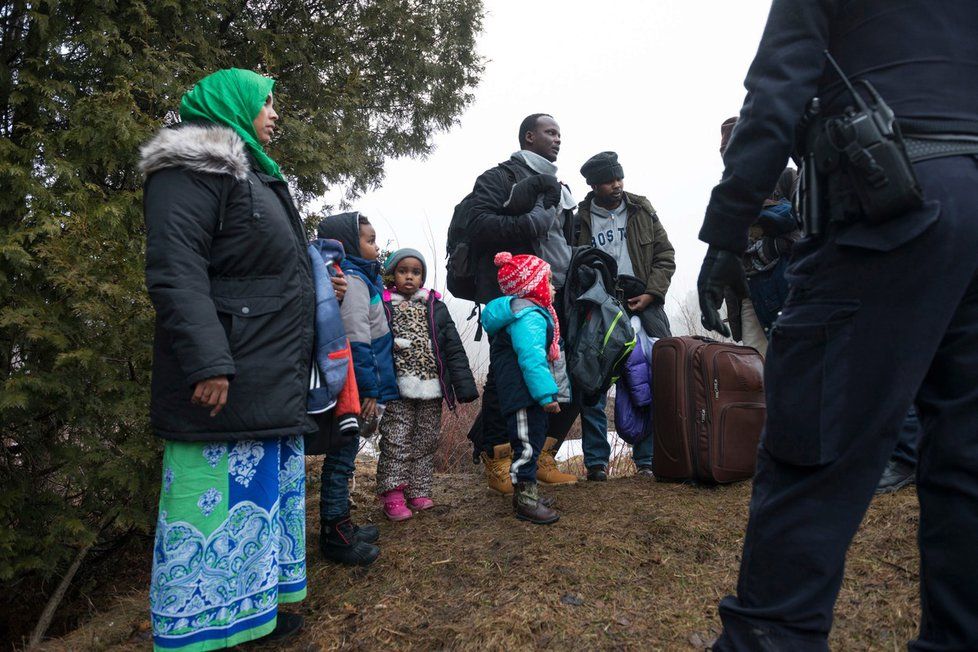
(600,336)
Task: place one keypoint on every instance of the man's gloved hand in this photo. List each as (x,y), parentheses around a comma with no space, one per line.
(721,269)
(540,218)
(526,193)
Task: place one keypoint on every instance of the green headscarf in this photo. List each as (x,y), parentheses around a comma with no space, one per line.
(233,98)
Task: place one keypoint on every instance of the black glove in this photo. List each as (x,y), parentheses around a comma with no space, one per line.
(523,196)
(721,269)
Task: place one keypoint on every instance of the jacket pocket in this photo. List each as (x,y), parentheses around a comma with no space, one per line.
(646,247)
(646,237)
(806,382)
(248,316)
(887,236)
(226,289)
(737,435)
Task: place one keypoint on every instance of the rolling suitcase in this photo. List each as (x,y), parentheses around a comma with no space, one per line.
(708,412)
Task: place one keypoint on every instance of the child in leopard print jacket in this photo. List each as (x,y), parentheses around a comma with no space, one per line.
(431,366)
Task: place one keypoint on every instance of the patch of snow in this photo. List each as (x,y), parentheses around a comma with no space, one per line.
(572,447)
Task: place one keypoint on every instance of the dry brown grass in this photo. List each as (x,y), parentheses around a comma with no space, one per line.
(454,449)
(633,565)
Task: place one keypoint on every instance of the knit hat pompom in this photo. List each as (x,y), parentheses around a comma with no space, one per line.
(502,258)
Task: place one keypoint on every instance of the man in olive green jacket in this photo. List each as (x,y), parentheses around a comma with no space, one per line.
(626,227)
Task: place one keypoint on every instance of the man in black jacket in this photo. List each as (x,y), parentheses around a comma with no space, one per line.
(846,358)
(544,231)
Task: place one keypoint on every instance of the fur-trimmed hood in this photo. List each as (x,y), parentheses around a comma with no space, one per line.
(208,148)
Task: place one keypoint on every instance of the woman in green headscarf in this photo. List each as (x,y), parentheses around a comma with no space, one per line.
(227,270)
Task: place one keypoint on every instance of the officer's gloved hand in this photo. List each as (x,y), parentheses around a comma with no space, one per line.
(721,269)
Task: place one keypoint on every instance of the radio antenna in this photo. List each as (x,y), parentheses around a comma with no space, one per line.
(845,80)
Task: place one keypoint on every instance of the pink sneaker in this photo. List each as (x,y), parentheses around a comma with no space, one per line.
(394,507)
(420,503)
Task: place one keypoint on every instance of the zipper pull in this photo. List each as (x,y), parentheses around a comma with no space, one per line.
(703,416)
(716,388)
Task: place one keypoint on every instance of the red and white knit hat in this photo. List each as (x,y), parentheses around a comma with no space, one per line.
(528,277)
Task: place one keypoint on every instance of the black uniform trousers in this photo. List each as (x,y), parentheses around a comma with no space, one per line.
(878,317)
(906,446)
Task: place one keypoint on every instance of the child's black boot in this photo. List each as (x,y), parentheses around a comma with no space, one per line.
(366,533)
(339,543)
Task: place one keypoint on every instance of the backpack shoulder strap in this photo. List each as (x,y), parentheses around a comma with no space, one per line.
(477,315)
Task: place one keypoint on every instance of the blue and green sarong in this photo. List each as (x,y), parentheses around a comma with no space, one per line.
(230,541)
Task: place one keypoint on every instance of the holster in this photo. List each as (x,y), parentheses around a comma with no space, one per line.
(833,194)
(845,182)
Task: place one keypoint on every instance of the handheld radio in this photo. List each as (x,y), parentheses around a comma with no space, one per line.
(866,144)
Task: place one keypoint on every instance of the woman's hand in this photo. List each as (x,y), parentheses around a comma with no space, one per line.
(212,393)
(339,285)
(551,408)
(368,408)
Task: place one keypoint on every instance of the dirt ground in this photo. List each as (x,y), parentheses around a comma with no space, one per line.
(632,564)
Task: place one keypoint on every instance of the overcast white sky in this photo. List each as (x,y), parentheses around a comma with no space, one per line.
(651,80)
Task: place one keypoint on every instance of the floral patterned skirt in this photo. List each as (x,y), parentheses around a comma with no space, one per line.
(230,541)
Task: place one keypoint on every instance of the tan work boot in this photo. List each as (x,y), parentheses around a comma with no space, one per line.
(497,468)
(547,471)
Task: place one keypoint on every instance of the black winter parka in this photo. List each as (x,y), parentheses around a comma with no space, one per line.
(493,231)
(454,371)
(229,276)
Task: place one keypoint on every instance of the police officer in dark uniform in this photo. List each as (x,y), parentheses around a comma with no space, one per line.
(883,311)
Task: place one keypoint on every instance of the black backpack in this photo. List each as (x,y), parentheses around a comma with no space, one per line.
(600,336)
(462,265)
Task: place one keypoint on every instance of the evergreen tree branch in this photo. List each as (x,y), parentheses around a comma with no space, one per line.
(44,622)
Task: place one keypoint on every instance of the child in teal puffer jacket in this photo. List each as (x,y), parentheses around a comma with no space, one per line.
(524,336)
